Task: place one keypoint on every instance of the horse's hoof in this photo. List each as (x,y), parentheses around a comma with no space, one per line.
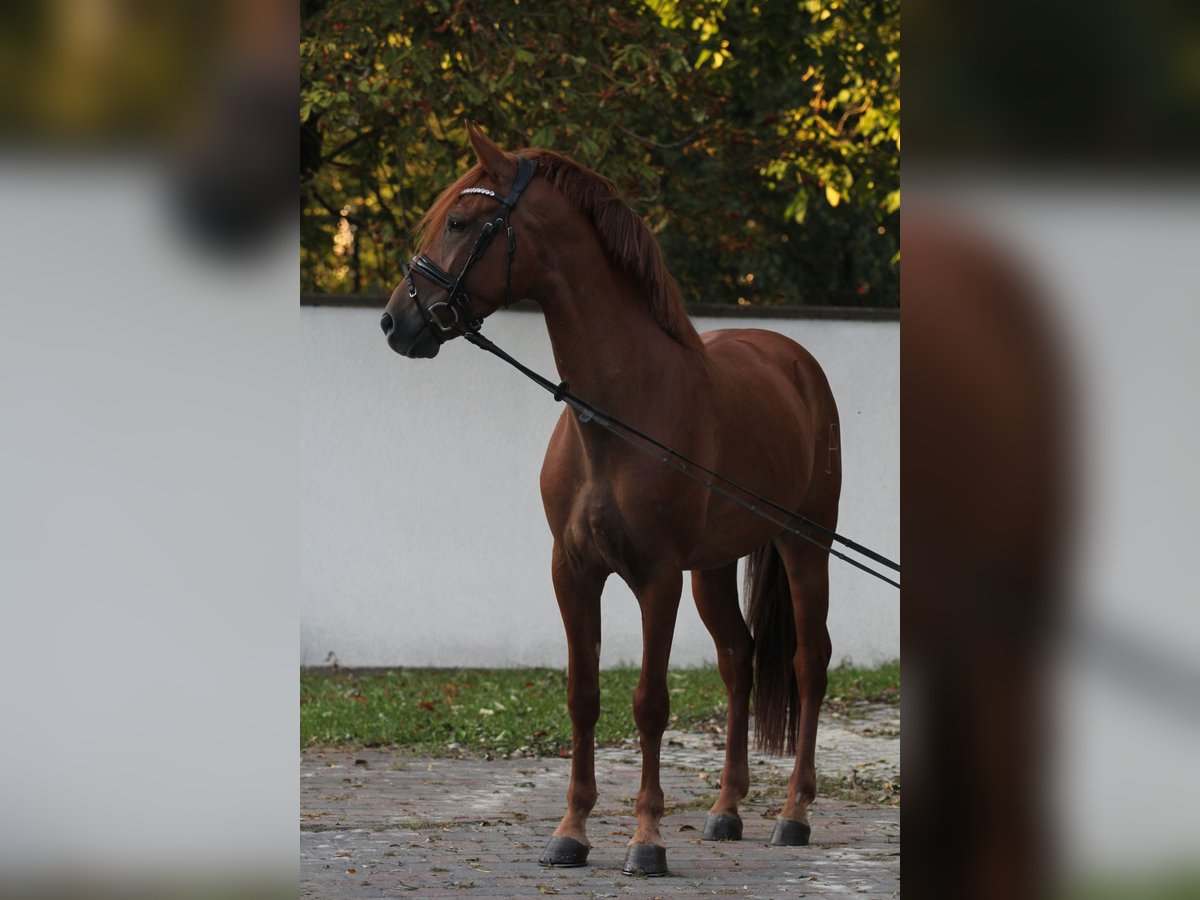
(565,853)
(645,859)
(790,833)
(722,827)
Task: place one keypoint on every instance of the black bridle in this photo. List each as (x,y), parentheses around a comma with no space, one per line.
(457,302)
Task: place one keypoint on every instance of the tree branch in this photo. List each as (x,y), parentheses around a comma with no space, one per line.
(650,142)
(333,154)
(333,212)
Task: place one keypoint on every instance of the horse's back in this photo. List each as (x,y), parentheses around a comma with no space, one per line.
(751,362)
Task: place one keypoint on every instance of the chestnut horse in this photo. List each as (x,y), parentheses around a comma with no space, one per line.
(751,404)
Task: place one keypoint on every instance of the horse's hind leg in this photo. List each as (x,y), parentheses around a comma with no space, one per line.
(716,597)
(807,569)
(578,595)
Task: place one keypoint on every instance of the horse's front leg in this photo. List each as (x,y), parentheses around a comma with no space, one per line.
(578,593)
(659,600)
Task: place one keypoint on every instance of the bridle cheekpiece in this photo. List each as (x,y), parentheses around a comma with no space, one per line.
(457,303)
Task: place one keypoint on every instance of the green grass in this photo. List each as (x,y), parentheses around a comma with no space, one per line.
(504,711)
(849,685)
(1167,882)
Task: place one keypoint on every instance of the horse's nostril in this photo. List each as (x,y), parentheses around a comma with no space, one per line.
(387,324)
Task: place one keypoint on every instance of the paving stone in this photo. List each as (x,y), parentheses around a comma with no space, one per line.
(397,825)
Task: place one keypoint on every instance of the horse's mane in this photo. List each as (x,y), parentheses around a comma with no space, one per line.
(624,236)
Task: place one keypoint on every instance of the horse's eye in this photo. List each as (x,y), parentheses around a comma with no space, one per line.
(457,225)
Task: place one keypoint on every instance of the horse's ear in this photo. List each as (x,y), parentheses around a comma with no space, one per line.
(495,161)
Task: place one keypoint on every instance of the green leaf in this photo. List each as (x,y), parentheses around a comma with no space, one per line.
(798,208)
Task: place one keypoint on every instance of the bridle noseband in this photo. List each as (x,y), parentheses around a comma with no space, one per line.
(457,303)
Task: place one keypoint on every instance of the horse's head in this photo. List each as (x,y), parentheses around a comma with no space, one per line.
(467,267)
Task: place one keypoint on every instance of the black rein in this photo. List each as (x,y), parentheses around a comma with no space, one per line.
(685,466)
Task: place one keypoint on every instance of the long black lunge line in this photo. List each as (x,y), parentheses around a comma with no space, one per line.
(589,413)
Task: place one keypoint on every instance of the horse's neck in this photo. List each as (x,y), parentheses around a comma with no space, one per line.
(607,343)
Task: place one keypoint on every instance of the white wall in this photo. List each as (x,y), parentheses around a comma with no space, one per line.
(422,537)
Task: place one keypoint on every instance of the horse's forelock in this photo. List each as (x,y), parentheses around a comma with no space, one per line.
(434,220)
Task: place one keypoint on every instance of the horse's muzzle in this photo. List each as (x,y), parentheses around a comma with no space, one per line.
(406,333)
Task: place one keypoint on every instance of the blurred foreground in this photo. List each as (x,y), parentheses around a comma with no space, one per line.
(1050,630)
(148,371)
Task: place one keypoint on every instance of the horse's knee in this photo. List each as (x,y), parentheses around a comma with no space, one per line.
(651,709)
(584,705)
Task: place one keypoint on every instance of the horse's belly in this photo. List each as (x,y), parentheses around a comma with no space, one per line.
(731,533)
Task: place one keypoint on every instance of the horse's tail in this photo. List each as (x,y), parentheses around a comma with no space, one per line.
(773,624)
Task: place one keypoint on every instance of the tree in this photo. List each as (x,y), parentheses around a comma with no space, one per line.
(758,140)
